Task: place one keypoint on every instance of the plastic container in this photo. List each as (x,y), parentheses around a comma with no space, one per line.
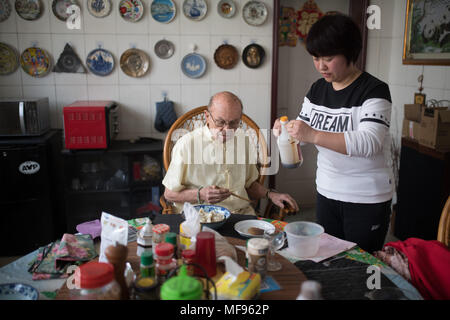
(95,281)
(182,287)
(144,239)
(189,258)
(290,152)
(303,238)
(146,289)
(257,249)
(159,235)
(164,261)
(147,267)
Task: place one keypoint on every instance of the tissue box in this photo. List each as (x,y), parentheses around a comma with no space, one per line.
(245,287)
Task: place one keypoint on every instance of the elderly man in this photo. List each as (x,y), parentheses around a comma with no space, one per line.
(212,162)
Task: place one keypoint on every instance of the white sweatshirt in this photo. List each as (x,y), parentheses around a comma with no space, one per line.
(362,111)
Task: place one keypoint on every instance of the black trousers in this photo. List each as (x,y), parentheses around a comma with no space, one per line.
(364,224)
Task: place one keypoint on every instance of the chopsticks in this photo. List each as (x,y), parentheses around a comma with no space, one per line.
(242,198)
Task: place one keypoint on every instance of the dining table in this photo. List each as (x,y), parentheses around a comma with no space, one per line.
(342,277)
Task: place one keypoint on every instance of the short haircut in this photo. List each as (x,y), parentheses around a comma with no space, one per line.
(335,34)
(226,94)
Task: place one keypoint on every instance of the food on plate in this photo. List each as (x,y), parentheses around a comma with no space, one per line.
(208,217)
(255,231)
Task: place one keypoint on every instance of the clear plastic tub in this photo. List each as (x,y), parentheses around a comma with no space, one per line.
(303,238)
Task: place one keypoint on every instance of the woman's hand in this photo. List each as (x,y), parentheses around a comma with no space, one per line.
(279,199)
(214,194)
(301,131)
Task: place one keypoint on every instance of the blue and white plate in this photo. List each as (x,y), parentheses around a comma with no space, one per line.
(163,10)
(193,65)
(99,8)
(5,10)
(100,62)
(195,9)
(18,291)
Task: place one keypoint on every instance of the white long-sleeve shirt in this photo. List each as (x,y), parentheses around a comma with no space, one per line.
(362,111)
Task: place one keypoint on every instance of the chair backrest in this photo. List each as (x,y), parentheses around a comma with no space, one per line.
(196,117)
(444,225)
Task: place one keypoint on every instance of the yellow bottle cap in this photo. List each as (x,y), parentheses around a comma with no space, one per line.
(284,119)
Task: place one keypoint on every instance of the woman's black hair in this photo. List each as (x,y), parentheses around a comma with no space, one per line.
(335,34)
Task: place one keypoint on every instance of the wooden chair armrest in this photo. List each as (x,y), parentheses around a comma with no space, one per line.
(167,207)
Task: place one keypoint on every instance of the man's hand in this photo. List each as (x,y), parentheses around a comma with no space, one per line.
(214,194)
(278,198)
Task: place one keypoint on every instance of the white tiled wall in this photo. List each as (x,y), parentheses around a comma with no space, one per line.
(137,96)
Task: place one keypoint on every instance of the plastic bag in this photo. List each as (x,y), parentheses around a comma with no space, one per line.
(223,247)
(114,231)
(190,227)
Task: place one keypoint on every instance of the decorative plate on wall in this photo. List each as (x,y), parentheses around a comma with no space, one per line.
(69,62)
(195,9)
(164,49)
(59,8)
(35,62)
(254,13)
(226,8)
(9,59)
(131,10)
(5,10)
(226,56)
(134,63)
(163,10)
(28,9)
(99,8)
(253,55)
(193,65)
(100,62)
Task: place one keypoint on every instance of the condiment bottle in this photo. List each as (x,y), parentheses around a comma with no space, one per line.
(159,235)
(95,281)
(290,153)
(164,261)
(171,237)
(146,289)
(257,249)
(147,267)
(188,257)
(182,287)
(117,255)
(144,239)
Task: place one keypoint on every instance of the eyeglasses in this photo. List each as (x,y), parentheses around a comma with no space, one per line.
(222,123)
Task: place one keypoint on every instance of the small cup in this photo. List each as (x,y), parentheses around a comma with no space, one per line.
(205,253)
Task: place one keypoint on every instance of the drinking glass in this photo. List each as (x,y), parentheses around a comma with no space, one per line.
(276,240)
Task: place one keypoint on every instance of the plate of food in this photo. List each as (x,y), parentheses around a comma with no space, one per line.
(18,291)
(253,228)
(212,216)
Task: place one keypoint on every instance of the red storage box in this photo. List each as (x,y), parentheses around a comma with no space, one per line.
(90,124)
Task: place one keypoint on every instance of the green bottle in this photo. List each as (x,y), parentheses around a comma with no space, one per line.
(182,287)
(147,265)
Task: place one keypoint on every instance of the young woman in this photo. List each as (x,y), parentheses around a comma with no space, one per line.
(346,114)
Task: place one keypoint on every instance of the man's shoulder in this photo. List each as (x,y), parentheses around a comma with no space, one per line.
(183,136)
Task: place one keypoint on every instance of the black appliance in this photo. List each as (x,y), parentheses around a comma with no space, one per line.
(30,197)
(24,117)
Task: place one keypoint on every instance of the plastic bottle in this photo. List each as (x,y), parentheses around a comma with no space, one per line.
(182,287)
(144,239)
(164,261)
(290,153)
(147,267)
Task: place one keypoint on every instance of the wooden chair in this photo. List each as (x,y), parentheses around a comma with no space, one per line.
(195,118)
(444,225)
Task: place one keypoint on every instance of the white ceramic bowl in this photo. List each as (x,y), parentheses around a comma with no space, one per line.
(303,238)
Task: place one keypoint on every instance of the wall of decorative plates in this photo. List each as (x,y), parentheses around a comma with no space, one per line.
(136,52)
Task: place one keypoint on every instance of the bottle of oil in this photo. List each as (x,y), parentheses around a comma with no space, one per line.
(290,153)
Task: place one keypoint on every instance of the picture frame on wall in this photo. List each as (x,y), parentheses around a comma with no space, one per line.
(426,38)
(419,98)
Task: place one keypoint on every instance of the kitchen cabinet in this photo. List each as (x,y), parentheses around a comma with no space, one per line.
(120,180)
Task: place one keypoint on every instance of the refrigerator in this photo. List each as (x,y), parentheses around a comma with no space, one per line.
(30,192)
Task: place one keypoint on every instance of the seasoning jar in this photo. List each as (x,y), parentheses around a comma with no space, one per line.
(146,288)
(159,234)
(257,249)
(147,267)
(164,261)
(171,237)
(95,281)
(144,239)
(188,257)
(182,287)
